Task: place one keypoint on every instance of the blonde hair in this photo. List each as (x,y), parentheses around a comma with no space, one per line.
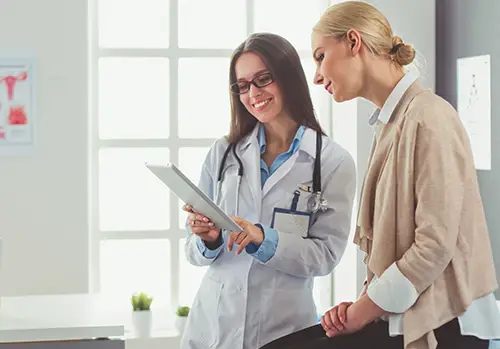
(371,24)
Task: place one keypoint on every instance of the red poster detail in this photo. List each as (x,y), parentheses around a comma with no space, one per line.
(11,80)
(17,116)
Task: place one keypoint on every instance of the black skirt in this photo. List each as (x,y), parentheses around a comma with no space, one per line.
(373,336)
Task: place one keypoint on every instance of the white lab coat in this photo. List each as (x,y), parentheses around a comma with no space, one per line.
(243,303)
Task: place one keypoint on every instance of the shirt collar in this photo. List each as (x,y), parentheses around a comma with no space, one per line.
(384,114)
(295,143)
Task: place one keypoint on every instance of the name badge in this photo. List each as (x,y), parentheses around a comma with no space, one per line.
(290,221)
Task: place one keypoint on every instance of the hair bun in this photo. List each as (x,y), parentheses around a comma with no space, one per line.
(400,52)
(396,40)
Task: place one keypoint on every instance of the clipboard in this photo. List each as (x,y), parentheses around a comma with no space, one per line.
(191,195)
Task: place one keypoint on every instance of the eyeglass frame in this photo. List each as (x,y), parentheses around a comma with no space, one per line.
(252,82)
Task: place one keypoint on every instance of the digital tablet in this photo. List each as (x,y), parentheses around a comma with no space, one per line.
(190,194)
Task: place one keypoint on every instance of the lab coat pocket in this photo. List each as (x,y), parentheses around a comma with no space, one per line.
(204,314)
(278,316)
(288,196)
(285,200)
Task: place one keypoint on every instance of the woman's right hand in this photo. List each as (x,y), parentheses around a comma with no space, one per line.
(201,225)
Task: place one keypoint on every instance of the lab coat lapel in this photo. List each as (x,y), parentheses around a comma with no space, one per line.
(281,172)
(250,157)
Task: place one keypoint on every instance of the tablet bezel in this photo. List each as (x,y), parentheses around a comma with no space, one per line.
(185,189)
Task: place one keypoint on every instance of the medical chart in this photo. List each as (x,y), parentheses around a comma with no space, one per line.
(474,106)
(17,117)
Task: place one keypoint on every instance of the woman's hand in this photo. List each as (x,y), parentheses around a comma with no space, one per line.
(250,233)
(334,320)
(201,225)
(348,317)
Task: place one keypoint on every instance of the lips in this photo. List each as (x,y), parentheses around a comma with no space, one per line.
(261,104)
(328,87)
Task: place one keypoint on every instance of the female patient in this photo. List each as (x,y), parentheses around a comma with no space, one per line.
(261,289)
(430,273)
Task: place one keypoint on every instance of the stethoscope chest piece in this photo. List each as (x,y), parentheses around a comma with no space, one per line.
(316,203)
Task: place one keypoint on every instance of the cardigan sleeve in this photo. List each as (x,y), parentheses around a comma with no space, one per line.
(392,292)
(440,150)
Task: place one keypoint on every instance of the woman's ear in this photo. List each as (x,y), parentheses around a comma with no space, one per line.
(354,39)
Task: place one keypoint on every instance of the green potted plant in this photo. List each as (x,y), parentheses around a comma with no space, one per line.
(181,313)
(141,314)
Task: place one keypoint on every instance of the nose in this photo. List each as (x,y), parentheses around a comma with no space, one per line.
(318,78)
(254,91)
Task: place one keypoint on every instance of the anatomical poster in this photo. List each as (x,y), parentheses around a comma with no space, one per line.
(17,118)
(474,105)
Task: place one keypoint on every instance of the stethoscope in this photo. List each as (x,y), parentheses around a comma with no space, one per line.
(315,202)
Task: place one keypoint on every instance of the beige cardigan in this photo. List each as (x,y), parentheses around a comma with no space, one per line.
(420,207)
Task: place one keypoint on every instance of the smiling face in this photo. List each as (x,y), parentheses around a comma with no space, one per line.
(338,66)
(265,103)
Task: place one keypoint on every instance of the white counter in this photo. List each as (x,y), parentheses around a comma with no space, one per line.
(58,317)
(74,317)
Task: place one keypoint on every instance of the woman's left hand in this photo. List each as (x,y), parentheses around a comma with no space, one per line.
(250,233)
(342,319)
(352,317)
(334,319)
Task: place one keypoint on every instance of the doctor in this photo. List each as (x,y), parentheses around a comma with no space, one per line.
(288,186)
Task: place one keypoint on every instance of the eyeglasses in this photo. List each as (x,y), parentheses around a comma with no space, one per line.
(260,80)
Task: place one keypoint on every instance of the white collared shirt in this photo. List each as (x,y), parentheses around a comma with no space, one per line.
(384,115)
(394,293)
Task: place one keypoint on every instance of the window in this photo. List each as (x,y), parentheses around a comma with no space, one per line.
(345,133)
(145,56)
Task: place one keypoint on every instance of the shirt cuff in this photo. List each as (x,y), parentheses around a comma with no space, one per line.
(207,253)
(267,249)
(393,292)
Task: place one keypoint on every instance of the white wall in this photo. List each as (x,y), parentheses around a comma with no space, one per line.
(414,22)
(43,197)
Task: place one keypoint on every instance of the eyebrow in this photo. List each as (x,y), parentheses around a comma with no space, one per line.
(257,73)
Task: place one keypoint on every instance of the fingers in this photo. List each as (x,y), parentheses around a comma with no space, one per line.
(332,333)
(230,241)
(198,220)
(328,326)
(202,226)
(331,322)
(246,240)
(323,323)
(337,324)
(241,239)
(335,319)
(198,217)
(342,312)
(187,208)
(326,320)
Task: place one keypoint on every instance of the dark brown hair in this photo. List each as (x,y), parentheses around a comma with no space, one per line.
(283,62)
